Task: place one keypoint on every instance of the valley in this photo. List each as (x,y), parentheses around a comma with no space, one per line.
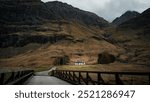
(34,34)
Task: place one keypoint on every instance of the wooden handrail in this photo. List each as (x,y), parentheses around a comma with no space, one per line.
(107,72)
(15,77)
(77,77)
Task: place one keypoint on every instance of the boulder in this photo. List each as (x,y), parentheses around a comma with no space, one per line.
(106,58)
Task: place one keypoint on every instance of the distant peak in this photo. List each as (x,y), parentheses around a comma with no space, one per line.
(147,11)
(125,17)
(58,3)
(130,12)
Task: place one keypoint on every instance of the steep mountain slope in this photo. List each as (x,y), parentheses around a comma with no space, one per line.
(81,43)
(141,21)
(34,11)
(29,16)
(36,34)
(64,11)
(125,17)
(23,12)
(133,35)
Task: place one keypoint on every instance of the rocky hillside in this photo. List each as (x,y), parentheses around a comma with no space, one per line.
(141,21)
(133,35)
(125,17)
(34,12)
(64,11)
(20,18)
(38,34)
(28,12)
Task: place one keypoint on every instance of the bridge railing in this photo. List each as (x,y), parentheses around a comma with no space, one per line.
(15,77)
(95,77)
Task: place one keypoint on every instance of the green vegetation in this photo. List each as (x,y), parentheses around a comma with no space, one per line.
(83,67)
(40,69)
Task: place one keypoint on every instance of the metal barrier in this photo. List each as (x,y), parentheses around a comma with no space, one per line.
(83,77)
(15,77)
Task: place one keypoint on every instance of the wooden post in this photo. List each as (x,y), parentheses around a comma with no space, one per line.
(87,78)
(2,78)
(99,79)
(18,75)
(62,74)
(12,76)
(52,73)
(73,76)
(69,75)
(79,80)
(66,75)
(118,80)
(149,78)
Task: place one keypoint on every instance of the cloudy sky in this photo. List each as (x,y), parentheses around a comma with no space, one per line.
(109,9)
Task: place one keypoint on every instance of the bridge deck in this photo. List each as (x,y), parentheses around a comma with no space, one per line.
(42,78)
(45,80)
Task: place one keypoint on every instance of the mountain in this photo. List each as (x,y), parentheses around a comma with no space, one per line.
(61,11)
(28,15)
(35,11)
(125,17)
(35,34)
(133,35)
(142,21)
(21,12)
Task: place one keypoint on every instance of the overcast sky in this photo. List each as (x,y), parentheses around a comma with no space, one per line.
(109,9)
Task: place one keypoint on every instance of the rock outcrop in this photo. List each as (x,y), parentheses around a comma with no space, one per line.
(106,58)
(20,41)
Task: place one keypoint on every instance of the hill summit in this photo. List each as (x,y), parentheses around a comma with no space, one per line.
(125,17)
(36,11)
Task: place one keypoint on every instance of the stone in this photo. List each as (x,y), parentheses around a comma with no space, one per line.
(106,58)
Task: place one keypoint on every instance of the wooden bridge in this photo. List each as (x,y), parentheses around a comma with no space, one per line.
(69,77)
(95,77)
(15,77)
